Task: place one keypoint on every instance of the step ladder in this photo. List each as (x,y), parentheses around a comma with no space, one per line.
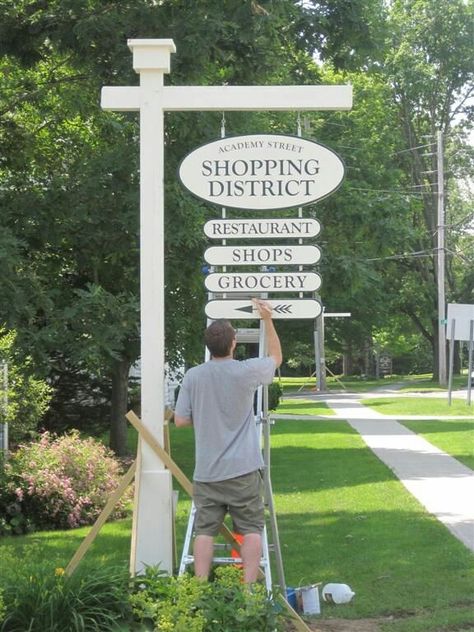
(262,420)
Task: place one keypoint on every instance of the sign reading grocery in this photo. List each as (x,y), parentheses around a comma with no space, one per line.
(263,282)
(262,171)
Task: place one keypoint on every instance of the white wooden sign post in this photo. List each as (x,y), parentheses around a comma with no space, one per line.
(152,524)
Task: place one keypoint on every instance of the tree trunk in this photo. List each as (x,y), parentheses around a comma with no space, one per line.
(118,423)
(347,360)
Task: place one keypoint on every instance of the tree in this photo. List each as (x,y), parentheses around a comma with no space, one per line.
(26,398)
(430,65)
(69,171)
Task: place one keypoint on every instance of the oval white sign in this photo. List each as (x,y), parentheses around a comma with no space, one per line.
(262,171)
(263,282)
(261,228)
(261,255)
(287,309)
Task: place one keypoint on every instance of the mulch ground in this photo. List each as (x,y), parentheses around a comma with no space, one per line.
(346,625)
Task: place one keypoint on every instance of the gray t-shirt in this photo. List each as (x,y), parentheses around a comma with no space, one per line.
(218,396)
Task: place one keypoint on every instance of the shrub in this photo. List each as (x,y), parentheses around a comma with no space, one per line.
(28,396)
(187,604)
(43,600)
(274,394)
(57,483)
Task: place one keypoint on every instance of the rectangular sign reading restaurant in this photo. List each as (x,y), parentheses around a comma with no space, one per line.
(262,228)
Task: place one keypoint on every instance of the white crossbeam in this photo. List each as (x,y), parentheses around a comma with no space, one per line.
(257,98)
(254,98)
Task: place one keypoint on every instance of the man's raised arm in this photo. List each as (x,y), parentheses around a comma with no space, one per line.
(273,341)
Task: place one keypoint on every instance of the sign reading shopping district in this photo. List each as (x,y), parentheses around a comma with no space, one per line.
(261,255)
(261,228)
(262,171)
(282,309)
(263,282)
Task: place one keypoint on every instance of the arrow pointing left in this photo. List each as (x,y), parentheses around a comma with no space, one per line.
(244,309)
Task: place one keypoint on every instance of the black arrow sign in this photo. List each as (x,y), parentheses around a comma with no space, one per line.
(283,309)
(280,309)
(243,309)
(249,309)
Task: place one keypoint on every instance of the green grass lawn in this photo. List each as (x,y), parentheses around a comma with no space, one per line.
(419,406)
(342,517)
(456,437)
(357,384)
(303,407)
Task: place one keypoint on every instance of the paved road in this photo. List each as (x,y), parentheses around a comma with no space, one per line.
(440,482)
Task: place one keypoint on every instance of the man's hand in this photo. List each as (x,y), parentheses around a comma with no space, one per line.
(264,308)
(273,343)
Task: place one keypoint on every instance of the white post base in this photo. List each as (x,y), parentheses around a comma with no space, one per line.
(153,524)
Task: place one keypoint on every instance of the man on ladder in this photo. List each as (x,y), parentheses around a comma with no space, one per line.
(217,398)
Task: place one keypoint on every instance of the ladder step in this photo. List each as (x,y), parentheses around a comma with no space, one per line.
(189,559)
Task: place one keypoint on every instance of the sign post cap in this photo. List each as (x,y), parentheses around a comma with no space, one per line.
(151,54)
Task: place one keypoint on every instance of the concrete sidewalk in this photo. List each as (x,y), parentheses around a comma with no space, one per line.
(443,485)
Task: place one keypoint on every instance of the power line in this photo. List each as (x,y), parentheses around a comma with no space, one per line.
(397,191)
(406,255)
(402,151)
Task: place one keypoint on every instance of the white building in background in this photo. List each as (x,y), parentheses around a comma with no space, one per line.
(172,381)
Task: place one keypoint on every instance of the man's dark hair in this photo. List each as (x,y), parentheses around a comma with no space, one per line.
(219,337)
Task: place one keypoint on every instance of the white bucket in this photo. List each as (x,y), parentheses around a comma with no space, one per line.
(310,599)
(337,593)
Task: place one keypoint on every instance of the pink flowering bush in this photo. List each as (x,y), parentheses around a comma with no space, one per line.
(57,483)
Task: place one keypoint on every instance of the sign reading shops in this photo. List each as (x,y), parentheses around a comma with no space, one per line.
(261,255)
(262,171)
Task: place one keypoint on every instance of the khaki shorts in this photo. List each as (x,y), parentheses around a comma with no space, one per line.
(241,497)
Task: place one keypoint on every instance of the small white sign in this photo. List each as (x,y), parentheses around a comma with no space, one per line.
(261,255)
(262,228)
(262,171)
(282,309)
(263,282)
(462,314)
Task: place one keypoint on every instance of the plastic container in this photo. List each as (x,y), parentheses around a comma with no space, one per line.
(291,597)
(310,600)
(337,593)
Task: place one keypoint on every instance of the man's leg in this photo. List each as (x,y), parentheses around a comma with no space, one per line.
(203,554)
(251,552)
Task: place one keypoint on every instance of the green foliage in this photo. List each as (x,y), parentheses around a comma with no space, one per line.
(429,65)
(302,357)
(409,350)
(3,609)
(274,394)
(70,286)
(28,397)
(57,482)
(186,603)
(39,600)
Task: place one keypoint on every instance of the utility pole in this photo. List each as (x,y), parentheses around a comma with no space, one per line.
(319,343)
(441,267)
(320,360)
